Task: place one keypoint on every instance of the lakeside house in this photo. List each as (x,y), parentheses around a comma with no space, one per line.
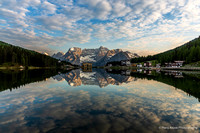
(158,65)
(139,65)
(125,62)
(115,63)
(87,67)
(109,64)
(174,64)
(119,63)
(147,64)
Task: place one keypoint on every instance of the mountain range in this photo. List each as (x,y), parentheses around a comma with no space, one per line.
(99,56)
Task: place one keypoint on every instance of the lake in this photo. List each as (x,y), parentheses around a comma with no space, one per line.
(99,101)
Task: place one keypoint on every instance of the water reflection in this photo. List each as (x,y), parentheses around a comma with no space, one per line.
(13,79)
(133,103)
(103,78)
(97,77)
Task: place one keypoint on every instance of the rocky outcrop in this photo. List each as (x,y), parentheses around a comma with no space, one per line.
(99,56)
(73,55)
(120,56)
(58,56)
(106,58)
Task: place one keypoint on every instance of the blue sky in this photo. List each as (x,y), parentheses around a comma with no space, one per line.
(141,26)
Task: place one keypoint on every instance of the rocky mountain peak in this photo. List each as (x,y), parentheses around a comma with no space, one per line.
(102,47)
(75,51)
(99,56)
(120,56)
(59,55)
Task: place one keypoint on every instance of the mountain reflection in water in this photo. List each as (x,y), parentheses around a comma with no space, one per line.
(103,78)
(129,101)
(97,77)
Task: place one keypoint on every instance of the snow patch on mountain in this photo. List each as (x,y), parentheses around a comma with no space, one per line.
(71,49)
(99,56)
(87,58)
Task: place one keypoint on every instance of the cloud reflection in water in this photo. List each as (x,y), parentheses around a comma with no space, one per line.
(134,106)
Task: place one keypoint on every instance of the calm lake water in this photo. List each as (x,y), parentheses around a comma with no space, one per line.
(99,101)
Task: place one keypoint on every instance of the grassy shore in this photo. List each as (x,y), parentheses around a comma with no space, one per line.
(34,67)
(30,67)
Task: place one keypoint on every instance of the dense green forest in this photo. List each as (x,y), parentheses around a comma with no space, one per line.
(13,55)
(189,52)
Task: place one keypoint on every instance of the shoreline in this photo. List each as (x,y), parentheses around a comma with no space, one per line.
(20,68)
(153,68)
(112,67)
(181,68)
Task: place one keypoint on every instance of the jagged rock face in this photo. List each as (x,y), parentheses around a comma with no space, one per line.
(73,55)
(93,55)
(101,53)
(120,56)
(106,58)
(99,56)
(58,56)
(132,55)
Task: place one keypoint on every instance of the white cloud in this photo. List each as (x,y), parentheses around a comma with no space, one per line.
(90,3)
(48,8)
(55,22)
(94,21)
(102,10)
(120,9)
(9,13)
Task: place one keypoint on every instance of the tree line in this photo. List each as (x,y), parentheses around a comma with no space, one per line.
(189,52)
(13,55)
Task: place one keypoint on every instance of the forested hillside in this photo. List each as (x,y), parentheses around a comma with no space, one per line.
(189,52)
(13,55)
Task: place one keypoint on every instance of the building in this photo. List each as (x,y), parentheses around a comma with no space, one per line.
(174,64)
(114,63)
(158,65)
(139,65)
(87,67)
(109,64)
(179,63)
(125,63)
(147,64)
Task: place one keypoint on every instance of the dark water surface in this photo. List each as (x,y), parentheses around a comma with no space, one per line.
(99,101)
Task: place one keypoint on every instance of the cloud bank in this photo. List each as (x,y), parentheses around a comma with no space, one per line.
(145,27)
